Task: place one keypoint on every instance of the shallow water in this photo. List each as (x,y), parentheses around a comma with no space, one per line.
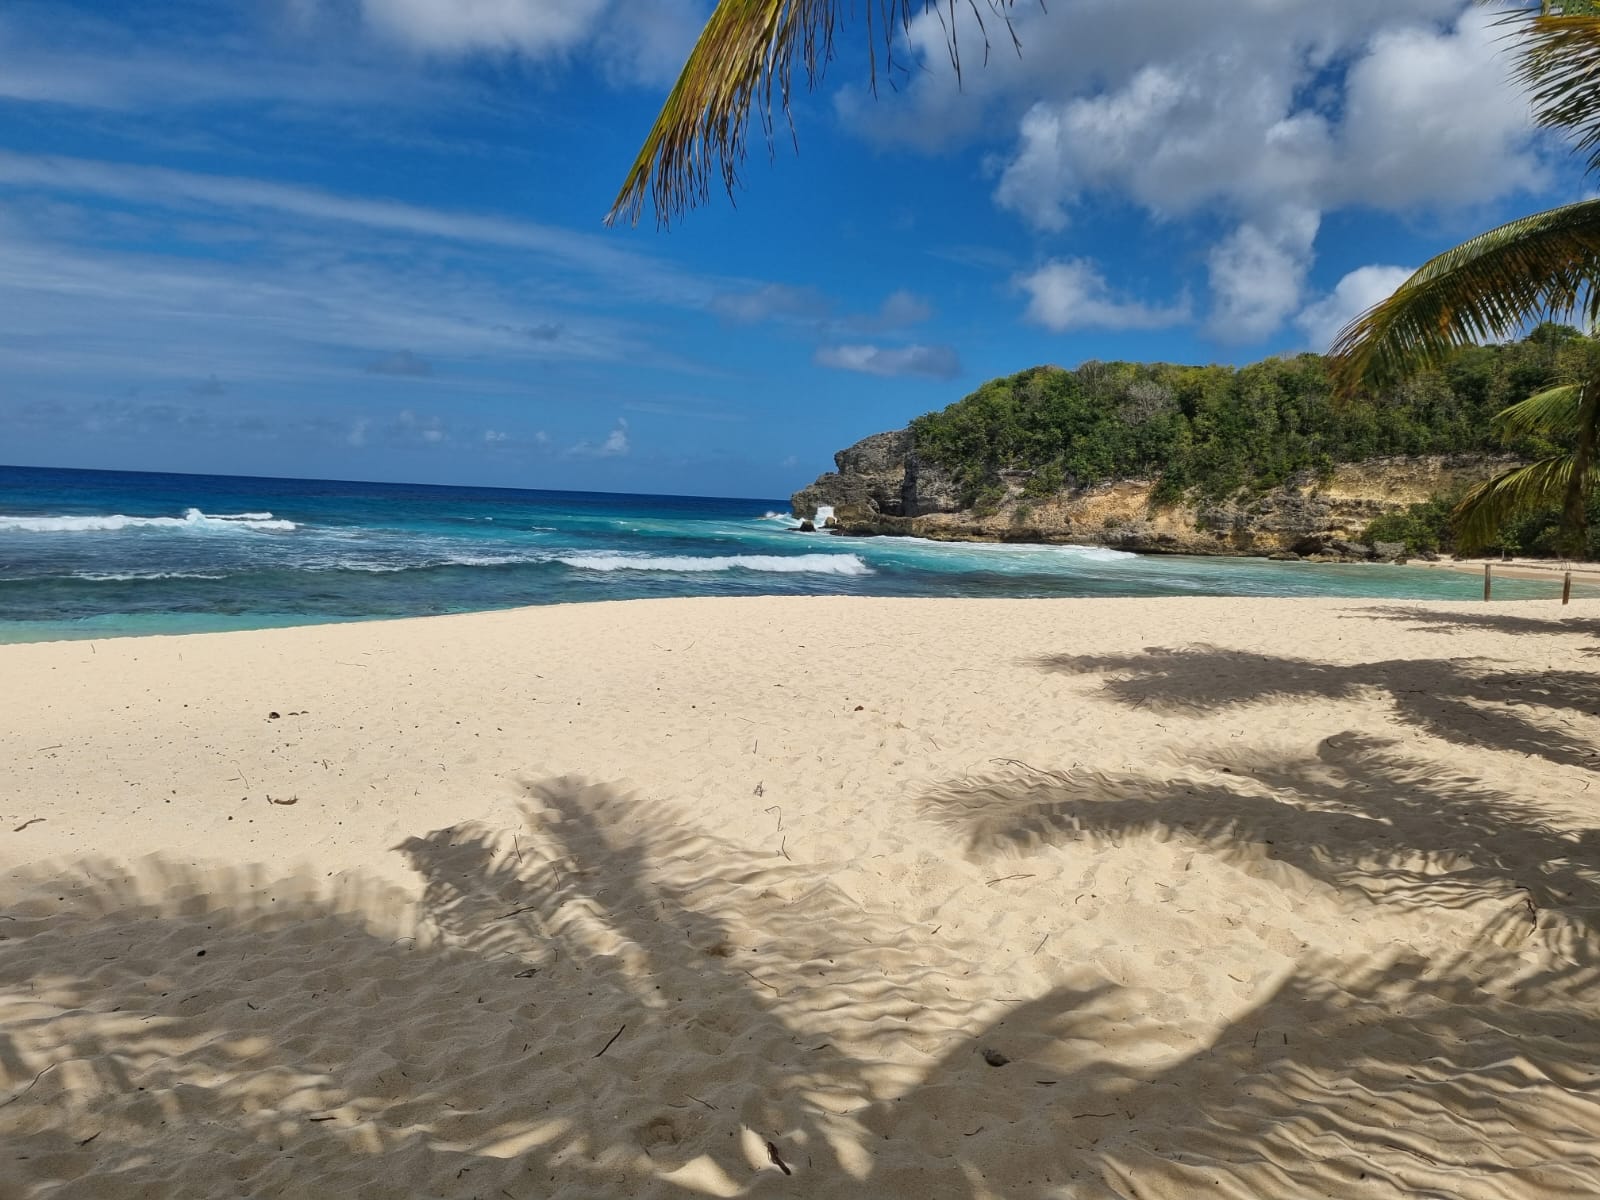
(97,554)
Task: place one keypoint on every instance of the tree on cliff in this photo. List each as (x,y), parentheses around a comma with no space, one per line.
(1495,285)
(745,59)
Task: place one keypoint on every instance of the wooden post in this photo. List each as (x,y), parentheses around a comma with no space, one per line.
(1488,584)
(1566,588)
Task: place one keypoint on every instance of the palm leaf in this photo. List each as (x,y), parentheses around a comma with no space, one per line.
(1553,414)
(1559,66)
(1487,288)
(1483,511)
(746,53)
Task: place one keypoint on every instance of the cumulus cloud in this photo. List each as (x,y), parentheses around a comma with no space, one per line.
(1073,294)
(1358,291)
(1267,116)
(615,445)
(1258,273)
(934,362)
(401,362)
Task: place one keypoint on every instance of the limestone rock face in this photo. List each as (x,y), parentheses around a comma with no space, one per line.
(880,476)
(881,486)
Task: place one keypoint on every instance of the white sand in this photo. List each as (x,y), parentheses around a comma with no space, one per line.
(1259,898)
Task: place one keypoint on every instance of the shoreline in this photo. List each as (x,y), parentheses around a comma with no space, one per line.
(1517,568)
(920,896)
(1585,576)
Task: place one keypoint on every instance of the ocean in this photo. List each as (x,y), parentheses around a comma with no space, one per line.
(88,554)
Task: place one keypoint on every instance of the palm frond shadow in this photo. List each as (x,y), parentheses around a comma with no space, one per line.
(1463,700)
(1434,620)
(1357,815)
(338,1038)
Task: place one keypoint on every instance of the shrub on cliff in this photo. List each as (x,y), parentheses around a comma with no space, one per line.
(1223,430)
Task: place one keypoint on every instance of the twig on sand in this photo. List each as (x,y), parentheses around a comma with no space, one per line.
(25,824)
(614,1037)
(697,1100)
(762,982)
(1042,941)
(515,912)
(1003,879)
(29,1088)
(772,1153)
(777,808)
(1017,762)
(42,749)
(240,776)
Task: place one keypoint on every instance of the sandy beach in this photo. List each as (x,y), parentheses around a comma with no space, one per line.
(830,897)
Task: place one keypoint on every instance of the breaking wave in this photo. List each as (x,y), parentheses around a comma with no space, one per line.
(785,564)
(192,519)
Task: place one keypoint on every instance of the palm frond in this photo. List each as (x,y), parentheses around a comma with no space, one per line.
(1558,63)
(1489,287)
(746,57)
(1555,414)
(1483,511)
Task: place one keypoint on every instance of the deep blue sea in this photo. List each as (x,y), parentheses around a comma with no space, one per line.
(99,553)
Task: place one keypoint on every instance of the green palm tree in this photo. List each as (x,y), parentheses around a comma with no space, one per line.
(1496,285)
(743,62)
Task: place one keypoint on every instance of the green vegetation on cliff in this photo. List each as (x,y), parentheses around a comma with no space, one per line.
(1223,430)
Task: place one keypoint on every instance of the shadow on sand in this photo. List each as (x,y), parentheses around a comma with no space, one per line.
(1468,701)
(1433,620)
(605,1001)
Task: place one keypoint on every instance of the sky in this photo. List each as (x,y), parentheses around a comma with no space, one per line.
(364,239)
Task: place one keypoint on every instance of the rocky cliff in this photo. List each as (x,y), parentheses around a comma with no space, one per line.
(881,487)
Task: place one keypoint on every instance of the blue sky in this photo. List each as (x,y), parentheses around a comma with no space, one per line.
(363,238)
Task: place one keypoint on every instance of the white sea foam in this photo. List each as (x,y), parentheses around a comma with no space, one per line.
(786,564)
(192,519)
(1004,550)
(122,577)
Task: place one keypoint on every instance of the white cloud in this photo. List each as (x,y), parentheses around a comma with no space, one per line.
(615,445)
(1073,294)
(1358,291)
(533,27)
(935,362)
(491,436)
(1258,272)
(1264,114)
(634,42)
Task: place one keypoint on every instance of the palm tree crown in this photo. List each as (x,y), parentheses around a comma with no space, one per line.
(1497,284)
(745,60)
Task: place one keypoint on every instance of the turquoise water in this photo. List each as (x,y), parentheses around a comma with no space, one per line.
(98,554)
